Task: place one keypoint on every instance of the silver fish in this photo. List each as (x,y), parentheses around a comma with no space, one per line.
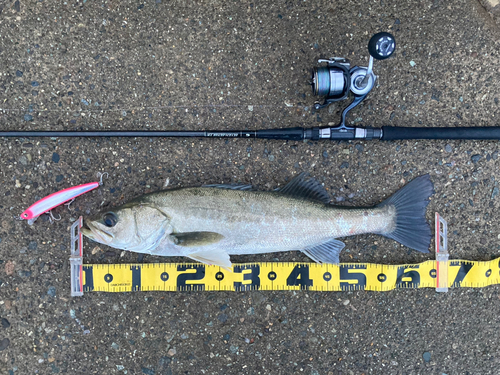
(210,223)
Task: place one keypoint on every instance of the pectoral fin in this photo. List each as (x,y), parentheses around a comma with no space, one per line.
(195,239)
(217,258)
(325,252)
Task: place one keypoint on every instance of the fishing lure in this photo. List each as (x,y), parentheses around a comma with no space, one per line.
(53,200)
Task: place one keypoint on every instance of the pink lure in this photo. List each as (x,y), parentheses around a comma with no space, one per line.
(56,199)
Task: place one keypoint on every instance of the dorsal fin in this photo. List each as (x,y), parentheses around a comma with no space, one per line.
(245,187)
(309,188)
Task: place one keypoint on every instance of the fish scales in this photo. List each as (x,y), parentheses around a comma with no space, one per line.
(256,222)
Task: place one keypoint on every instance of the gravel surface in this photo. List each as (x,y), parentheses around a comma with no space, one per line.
(86,65)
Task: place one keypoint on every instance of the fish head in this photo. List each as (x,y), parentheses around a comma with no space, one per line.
(133,227)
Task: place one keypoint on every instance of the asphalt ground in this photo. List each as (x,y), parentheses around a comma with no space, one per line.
(132,65)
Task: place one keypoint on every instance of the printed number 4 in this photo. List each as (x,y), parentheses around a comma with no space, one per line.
(300,277)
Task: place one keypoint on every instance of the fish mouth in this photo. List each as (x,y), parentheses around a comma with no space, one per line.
(93,232)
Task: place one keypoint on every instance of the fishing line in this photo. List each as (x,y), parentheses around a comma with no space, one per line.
(78,109)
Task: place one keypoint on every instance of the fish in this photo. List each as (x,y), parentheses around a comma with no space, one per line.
(209,223)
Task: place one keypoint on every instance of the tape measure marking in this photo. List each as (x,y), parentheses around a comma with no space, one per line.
(184,277)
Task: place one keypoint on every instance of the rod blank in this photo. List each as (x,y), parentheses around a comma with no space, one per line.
(103,133)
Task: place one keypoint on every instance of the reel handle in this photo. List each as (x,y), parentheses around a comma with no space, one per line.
(381,46)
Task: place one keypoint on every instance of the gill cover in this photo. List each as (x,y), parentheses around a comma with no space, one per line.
(135,227)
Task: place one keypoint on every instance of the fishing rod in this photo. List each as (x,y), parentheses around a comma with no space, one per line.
(385,133)
(334,82)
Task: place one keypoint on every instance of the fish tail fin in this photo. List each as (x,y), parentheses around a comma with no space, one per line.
(412,229)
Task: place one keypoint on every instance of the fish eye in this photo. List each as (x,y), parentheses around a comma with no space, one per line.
(109,219)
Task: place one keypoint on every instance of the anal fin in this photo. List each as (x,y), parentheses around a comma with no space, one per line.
(325,252)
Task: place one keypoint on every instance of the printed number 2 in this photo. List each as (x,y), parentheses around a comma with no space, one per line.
(183,277)
(299,277)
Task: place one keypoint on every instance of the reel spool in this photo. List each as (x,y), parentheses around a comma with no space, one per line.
(332,81)
(337,78)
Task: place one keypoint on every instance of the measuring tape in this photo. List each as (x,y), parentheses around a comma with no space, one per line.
(175,277)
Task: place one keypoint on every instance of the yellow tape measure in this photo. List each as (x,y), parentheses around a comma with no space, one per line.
(172,277)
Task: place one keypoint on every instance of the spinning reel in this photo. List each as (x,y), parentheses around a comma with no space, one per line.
(335,80)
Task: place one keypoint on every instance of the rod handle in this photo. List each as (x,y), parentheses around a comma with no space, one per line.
(390,133)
